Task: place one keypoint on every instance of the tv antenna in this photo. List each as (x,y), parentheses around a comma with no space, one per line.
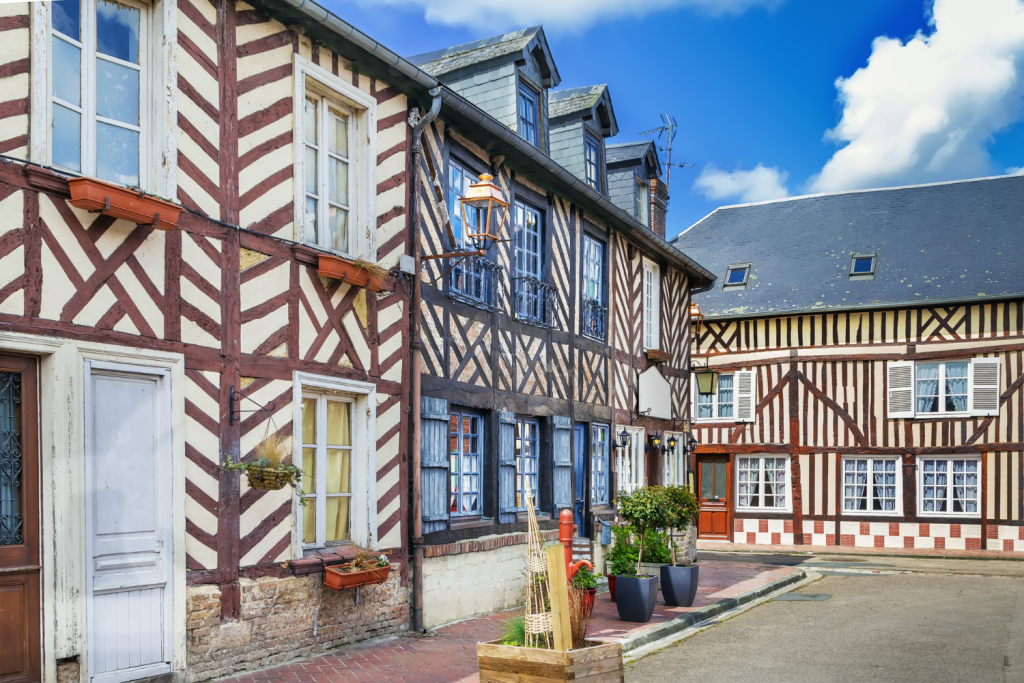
(666,135)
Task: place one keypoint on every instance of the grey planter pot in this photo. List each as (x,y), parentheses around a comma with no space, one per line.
(679,585)
(636,597)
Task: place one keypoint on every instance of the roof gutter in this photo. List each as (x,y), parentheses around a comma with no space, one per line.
(376,60)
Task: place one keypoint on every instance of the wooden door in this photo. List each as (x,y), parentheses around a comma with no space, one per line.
(715,496)
(128,523)
(579,442)
(19,522)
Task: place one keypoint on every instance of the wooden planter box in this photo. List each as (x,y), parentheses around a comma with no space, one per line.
(597,663)
(347,271)
(338,580)
(120,202)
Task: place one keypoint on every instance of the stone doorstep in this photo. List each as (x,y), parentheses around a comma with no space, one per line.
(706,613)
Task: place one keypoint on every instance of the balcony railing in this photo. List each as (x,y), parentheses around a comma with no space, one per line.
(535,301)
(593,317)
(475,280)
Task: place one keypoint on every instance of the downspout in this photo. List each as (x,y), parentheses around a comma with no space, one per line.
(415,346)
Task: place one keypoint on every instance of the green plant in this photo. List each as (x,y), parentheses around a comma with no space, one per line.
(624,552)
(514,632)
(656,548)
(271,454)
(644,510)
(682,510)
(584,579)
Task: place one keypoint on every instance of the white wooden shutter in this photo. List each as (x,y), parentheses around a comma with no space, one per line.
(901,388)
(983,387)
(746,393)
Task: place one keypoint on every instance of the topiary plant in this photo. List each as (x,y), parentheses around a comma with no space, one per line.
(644,510)
(681,510)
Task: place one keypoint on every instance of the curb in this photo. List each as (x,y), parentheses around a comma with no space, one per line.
(1019,556)
(706,613)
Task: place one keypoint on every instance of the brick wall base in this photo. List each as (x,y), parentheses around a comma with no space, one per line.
(278,618)
(881,534)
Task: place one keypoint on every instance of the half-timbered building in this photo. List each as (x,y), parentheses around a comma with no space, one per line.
(867,347)
(571,330)
(139,353)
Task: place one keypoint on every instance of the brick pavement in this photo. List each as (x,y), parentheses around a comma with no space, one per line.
(726,546)
(448,654)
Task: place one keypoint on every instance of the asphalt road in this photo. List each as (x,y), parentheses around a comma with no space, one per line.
(903,627)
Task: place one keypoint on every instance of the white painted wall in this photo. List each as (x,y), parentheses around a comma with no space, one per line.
(460,586)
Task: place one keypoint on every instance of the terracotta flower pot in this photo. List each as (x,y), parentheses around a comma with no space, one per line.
(347,271)
(335,578)
(120,202)
(611,586)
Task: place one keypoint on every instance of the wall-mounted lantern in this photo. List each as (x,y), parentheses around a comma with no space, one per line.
(483,209)
(623,438)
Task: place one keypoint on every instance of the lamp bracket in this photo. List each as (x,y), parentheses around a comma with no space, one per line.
(639,414)
(236,412)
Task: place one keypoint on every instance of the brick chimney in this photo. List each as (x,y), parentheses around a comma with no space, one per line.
(659,206)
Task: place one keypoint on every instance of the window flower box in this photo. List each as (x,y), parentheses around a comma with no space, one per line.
(353,272)
(120,202)
(338,579)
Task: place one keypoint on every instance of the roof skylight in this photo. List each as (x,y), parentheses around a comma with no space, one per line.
(736,275)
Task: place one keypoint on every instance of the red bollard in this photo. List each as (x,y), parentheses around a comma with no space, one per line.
(566,527)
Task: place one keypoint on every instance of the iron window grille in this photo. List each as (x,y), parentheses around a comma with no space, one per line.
(593,318)
(474,280)
(535,301)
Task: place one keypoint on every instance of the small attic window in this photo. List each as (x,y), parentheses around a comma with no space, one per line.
(862,266)
(736,275)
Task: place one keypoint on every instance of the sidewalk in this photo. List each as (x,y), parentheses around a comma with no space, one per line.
(448,653)
(934,553)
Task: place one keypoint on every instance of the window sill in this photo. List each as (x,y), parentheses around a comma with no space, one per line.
(315,559)
(524,517)
(473,522)
(870,513)
(951,515)
(764,511)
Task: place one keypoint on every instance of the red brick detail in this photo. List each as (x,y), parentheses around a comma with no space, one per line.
(787,526)
(830,539)
(954,531)
(1020,533)
(846,540)
(485,545)
(762,526)
(940,543)
(776,539)
(751,537)
(737,525)
(1008,544)
(879,541)
(819,527)
(973,543)
(894,528)
(925,530)
(993,531)
(908,541)
(865,529)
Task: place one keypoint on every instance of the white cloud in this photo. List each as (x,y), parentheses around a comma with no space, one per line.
(756,185)
(565,15)
(927,110)
(1015,170)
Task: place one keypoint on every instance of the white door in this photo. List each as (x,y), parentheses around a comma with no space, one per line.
(128,521)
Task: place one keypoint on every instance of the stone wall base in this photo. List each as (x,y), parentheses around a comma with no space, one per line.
(287,618)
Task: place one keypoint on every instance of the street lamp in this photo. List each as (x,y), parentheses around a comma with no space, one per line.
(483,209)
(623,438)
(672,443)
(707,381)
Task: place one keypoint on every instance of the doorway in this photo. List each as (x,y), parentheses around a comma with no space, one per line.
(128,522)
(579,440)
(19,522)
(713,485)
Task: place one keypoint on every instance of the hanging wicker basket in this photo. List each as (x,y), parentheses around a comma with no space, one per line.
(267,479)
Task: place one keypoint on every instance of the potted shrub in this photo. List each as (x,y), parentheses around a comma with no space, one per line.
(585,582)
(679,583)
(270,471)
(621,558)
(365,569)
(643,510)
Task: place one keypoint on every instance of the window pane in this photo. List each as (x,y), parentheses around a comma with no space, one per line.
(311,233)
(117,154)
(337,177)
(337,229)
(117,30)
(309,170)
(67,138)
(339,422)
(337,133)
(67,18)
(736,276)
(725,396)
(862,265)
(117,92)
(309,470)
(339,470)
(309,521)
(956,387)
(337,518)
(309,129)
(67,70)
(309,420)
(11,510)
(721,480)
(927,387)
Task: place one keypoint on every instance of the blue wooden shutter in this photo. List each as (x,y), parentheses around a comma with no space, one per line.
(562,452)
(506,467)
(434,426)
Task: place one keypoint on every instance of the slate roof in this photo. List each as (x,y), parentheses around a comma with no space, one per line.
(450,59)
(627,151)
(944,242)
(572,100)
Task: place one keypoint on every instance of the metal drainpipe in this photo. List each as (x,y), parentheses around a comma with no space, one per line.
(415,346)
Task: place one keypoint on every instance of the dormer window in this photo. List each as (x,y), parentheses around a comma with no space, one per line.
(593,163)
(862,267)
(642,200)
(528,114)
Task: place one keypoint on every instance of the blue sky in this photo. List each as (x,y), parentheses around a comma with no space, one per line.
(931,94)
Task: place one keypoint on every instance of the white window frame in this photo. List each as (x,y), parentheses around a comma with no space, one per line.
(788,507)
(675,459)
(363,508)
(318,498)
(982,398)
(941,398)
(651,290)
(158,95)
(920,462)
(871,460)
(714,401)
(317,81)
(629,461)
(642,201)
